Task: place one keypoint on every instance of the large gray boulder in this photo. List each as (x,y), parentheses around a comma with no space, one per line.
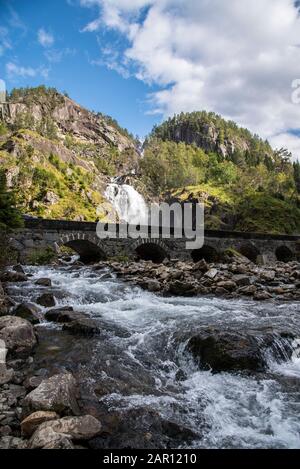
(57,394)
(18,335)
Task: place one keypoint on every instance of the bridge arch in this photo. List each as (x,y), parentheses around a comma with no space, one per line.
(89,248)
(250,251)
(284,254)
(150,250)
(208,253)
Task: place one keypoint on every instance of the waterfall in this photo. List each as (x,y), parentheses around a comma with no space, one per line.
(128,203)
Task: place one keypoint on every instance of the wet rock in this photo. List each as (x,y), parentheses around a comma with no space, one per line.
(46,299)
(47,438)
(6,375)
(57,394)
(18,335)
(77,428)
(33,421)
(85,327)
(28,311)
(18,268)
(11,276)
(62,316)
(44,282)
(226,351)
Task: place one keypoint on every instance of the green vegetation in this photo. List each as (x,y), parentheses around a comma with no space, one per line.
(254,189)
(41,256)
(9,215)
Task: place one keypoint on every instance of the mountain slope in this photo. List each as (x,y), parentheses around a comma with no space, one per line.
(59,155)
(244,184)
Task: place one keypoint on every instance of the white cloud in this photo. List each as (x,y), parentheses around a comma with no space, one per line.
(14,71)
(45,38)
(4,40)
(234,57)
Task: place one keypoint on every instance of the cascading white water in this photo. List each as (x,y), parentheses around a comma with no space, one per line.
(128,203)
(142,349)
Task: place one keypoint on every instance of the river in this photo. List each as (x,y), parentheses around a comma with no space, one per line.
(142,373)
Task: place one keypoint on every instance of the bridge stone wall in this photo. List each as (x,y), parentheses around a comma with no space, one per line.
(81,236)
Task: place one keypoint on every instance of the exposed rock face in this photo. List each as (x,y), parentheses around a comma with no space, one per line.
(57,394)
(18,335)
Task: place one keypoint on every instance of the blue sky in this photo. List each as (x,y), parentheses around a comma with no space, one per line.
(67,62)
(141,61)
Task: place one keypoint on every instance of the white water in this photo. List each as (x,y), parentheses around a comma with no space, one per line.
(128,203)
(226,410)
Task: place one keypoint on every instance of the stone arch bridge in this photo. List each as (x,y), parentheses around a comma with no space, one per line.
(39,234)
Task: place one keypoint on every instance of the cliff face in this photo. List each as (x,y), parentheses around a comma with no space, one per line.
(212,133)
(59,156)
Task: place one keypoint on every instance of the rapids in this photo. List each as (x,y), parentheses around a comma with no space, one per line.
(140,368)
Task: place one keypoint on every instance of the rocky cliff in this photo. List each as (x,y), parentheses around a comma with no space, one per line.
(60,156)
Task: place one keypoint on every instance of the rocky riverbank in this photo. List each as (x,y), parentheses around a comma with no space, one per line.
(36,412)
(235,277)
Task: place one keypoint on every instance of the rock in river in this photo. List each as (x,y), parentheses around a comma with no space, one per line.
(226,351)
(28,311)
(18,335)
(57,394)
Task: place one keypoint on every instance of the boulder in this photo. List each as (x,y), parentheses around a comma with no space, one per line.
(46,299)
(212,273)
(44,282)
(57,394)
(11,276)
(18,268)
(248,291)
(241,280)
(268,275)
(18,335)
(84,326)
(28,311)
(32,422)
(152,285)
(46,438)
(181,288)
(226,351)
(61,315)
(77,428)
(201,266)
(11,442)
(228,285)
